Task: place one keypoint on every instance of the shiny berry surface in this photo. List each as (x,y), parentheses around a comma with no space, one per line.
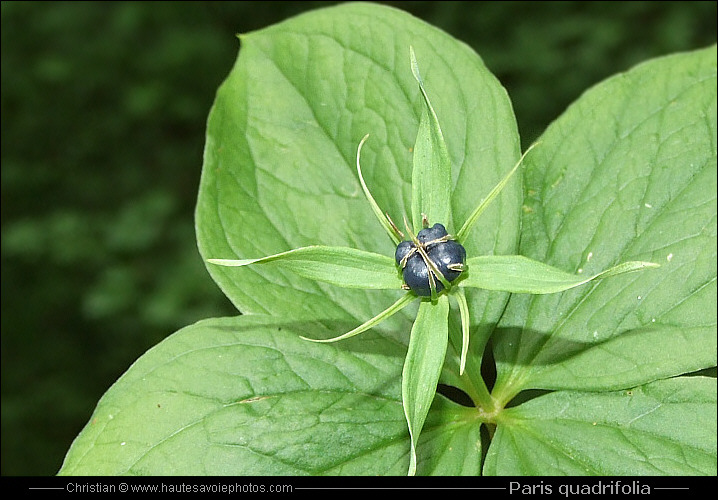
(431,233)
(402,250)
(446,254)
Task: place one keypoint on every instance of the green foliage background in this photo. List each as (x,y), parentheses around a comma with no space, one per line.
(103,115)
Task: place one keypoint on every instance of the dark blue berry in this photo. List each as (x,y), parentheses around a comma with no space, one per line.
(446,254)
(442,254)
(402,250)
(431,233)
(416,276)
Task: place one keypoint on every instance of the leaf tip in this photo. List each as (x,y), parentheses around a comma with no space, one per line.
(650,264)
(224,262)
(414,65)
(361,143)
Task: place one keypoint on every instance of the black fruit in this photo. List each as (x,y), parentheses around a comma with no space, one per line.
(447,255)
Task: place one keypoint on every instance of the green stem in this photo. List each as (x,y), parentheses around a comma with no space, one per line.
(482,397)
(475,386)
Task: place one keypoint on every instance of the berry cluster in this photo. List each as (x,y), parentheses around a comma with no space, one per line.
(433,245)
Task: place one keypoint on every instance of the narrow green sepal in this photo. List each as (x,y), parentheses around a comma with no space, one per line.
(465,327)
(384,220)
(341,266)
(422,366)
(519,274)
(386,313)
(431,174)
(464,231)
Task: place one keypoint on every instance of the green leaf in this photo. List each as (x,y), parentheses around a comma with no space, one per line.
(450,442)
(627,173)
(246,396)
(630,358)
(612,434)
(280,157)
(518,274)
(342,266)
(422,366)
(431,173)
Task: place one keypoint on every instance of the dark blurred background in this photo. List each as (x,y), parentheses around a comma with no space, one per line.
(103,115)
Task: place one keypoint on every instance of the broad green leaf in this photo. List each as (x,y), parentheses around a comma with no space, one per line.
(518,274)
(450,442)
(627,173)
(422,366)
(613,433)
(342,266)
(431,173)
(280,157)
(246,396)
(630,358)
